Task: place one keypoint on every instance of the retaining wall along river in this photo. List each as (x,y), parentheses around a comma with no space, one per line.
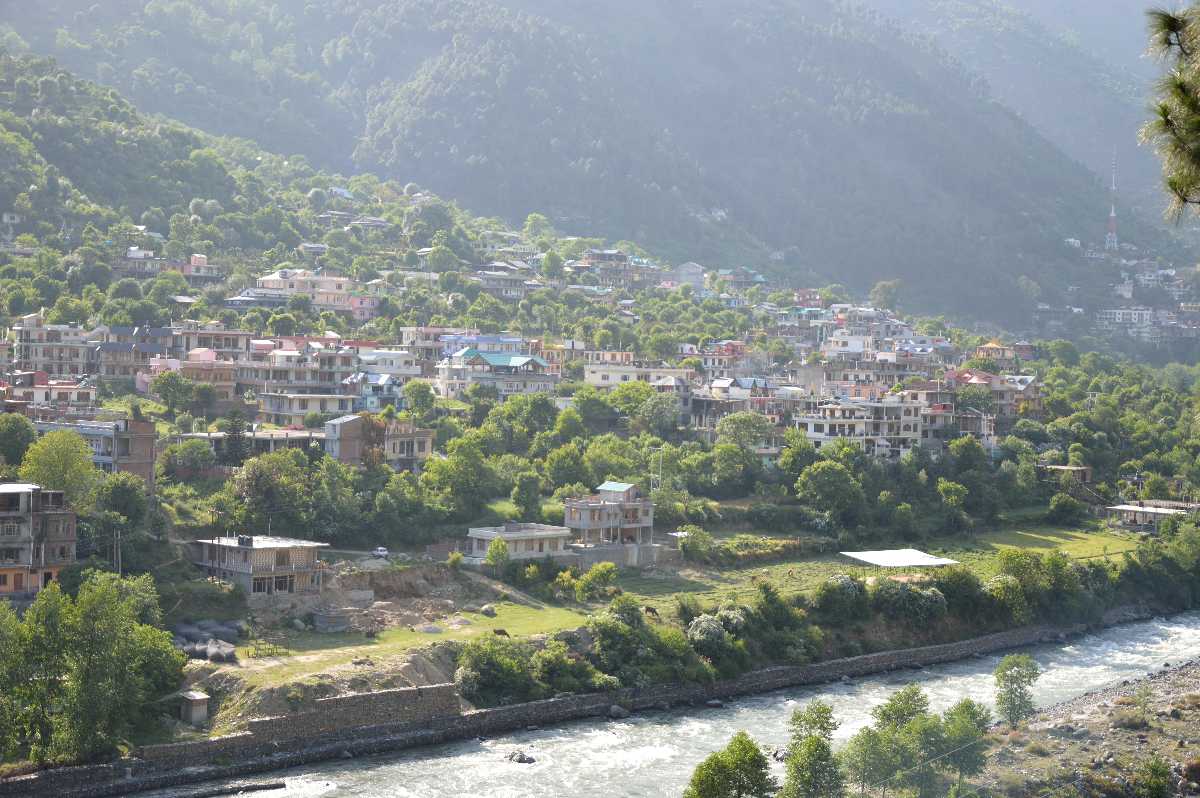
(392,720)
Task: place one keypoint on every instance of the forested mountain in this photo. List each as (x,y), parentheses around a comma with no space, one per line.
(800,136)
(1059,65)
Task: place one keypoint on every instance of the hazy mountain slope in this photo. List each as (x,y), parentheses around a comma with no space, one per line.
(710,130)
(1088,96)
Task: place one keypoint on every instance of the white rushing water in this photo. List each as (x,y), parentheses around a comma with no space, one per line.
(654,755)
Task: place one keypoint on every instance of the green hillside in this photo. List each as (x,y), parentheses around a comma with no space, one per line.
(1086,92)
(805,138)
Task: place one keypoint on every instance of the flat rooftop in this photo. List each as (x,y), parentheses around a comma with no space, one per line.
(265,542)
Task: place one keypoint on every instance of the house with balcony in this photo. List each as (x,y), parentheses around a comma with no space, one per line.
(615,524)
(289,409)
(509,374)
(37,539)
(60,350)
(885,428)
(262,565)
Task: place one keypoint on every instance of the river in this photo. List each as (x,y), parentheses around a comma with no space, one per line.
(653,755)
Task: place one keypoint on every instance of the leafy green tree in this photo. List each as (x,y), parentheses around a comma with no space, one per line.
(746,430)
(124,494)
(628,397)
(975,397)
(885,293)
(1015,677)
(830,486)
(924,741)
(527,496)
(814,719)
(740,770)
(798,454)
(965,727)
(174,389)
(812,771)
(871,758)
(905,705)
(497,554)
(565,466)
(659,415)
(16,435)
(62,460)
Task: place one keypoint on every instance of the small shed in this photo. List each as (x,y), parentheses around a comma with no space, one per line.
(193,708)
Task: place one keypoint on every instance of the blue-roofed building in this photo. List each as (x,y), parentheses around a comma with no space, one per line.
(508,373)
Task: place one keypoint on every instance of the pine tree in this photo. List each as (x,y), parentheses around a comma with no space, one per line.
(235,439)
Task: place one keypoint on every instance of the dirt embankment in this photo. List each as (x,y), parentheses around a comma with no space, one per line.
(1093,743)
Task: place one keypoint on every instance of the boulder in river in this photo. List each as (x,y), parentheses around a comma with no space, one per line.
(521,758)
(714,703)
(618,712)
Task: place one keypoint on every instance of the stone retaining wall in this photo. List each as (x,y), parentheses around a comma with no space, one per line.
(396,719)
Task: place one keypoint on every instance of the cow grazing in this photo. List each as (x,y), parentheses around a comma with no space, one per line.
(500,632)
(653,613)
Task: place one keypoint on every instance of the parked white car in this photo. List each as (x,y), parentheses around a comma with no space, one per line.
(381,552)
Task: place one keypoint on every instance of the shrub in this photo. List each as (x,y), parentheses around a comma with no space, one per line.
(696,545)
(708,636)
(1154,779)
(964,592)
(902,602)
(497,670)
(687,607)
(1005,591)
(1129,719)
(1065,509)
(454,561)
(842,598)
(596,582)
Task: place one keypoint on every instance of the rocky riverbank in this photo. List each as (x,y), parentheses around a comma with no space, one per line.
(1095,742)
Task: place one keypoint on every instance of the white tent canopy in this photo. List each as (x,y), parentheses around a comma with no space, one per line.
(898,558)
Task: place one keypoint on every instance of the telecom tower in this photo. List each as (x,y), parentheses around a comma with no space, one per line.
(1111,242)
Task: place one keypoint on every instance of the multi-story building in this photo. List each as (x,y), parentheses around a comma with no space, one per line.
(616,524)
(313,368)
(38,390)
(327,291)
(402,445)
(289,409)
(126,445)
(616,513)
(37,539)
(262,565)
(60,350)
(231,345)
(608,375)
(509,374)
(884,428)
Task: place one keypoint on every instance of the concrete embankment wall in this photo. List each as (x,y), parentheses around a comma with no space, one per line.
(396,719)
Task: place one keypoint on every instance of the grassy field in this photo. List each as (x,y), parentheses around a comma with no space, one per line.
(796,576)
(309,652)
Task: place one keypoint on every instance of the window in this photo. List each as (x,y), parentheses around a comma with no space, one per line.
(261,586)
(3,580)
(10,529)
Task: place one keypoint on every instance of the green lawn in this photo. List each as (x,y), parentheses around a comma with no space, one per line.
(796,576)
(309,652)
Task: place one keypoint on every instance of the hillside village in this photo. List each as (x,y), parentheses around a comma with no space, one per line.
(321,454)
